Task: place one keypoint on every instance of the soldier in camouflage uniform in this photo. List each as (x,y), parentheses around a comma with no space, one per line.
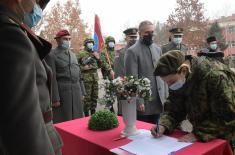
(89,62)
(194,83)
(106,68)
(212,52)
(107,62)
(131,37)
(175,41)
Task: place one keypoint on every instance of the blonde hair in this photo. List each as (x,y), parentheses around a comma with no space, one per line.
(185,67)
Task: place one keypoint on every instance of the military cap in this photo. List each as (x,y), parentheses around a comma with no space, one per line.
(88,40)
(62,33)
(109,39)
(178,31)
(131,31)
(211,39)
(169,63)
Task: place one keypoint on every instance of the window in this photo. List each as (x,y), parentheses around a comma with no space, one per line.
(231,29)
(232,43)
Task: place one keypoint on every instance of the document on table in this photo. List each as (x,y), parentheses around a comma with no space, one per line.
(145,144)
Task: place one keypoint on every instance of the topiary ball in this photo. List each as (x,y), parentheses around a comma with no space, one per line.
(103,120)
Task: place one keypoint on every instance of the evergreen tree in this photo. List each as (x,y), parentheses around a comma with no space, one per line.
(215,30)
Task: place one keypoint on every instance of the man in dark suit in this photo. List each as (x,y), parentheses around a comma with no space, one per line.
(140,61)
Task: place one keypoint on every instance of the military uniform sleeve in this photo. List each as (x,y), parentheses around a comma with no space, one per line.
(174,111)
(131,63)
(22,130)
(50,59)
(105,65)
(221,96)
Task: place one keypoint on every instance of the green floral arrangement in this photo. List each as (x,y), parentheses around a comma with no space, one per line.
(103,120)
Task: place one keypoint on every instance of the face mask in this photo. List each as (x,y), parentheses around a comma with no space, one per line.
(31,19)
(177,85)
(111,44)
(90,46)
(177,40)
(148,39)
(66,44)
(132,42)
(213,46)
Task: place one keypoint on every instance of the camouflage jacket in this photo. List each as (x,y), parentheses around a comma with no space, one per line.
(105,67)
(230,61)
(172,46)
(207,99)
(87,58)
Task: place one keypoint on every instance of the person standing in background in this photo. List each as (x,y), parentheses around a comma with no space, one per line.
(140,61)
(67,87)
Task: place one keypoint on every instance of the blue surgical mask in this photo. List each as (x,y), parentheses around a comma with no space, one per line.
(66,44)
(213,46)
(111,44)
(177,85)
(177,40)
(31,19)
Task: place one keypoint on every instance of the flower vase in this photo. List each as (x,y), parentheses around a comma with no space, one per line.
(129,116)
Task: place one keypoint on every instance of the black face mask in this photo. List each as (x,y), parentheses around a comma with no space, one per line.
(148,39)
(132,42)
(110,48)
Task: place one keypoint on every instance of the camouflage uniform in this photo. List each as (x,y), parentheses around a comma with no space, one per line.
(90,78)
(207,99)
(105,67)
(172,46)
(230,61)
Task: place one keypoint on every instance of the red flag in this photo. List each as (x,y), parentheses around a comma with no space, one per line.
(99,42)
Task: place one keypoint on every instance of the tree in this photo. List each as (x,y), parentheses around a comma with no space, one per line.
(215,30)
(64,16)
(162,36)
(189,15)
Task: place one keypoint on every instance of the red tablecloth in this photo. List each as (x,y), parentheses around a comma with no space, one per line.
(79,140)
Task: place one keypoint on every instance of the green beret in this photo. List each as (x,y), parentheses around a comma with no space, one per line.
(169,63)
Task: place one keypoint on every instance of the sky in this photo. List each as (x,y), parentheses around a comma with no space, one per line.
(117,15)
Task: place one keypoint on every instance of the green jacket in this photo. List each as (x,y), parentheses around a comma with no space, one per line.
(172,46)
(207,99)
(105,67)
(86,58)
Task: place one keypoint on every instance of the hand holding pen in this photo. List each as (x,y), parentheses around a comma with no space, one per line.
(157,130)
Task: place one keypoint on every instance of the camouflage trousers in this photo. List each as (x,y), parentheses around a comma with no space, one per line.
(90,100)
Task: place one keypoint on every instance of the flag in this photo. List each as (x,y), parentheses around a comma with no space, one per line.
(99,42)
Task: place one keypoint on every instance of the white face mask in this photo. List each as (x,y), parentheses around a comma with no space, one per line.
(111,44)
(90,46)
(177,40)
(178,84)
(213,46)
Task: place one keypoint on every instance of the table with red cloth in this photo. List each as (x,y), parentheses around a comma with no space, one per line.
(79,140)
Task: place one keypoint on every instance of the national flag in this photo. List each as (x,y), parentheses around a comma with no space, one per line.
(99,42)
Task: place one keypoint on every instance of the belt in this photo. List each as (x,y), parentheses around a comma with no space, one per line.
(47,116)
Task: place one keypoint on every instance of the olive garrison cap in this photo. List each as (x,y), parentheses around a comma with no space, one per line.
(169,63)
(131,31)
(176,31)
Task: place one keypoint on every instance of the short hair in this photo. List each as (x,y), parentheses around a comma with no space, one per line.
(143,24)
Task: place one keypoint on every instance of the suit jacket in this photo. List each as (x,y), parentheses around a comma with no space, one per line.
(23,130)
(140,61)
